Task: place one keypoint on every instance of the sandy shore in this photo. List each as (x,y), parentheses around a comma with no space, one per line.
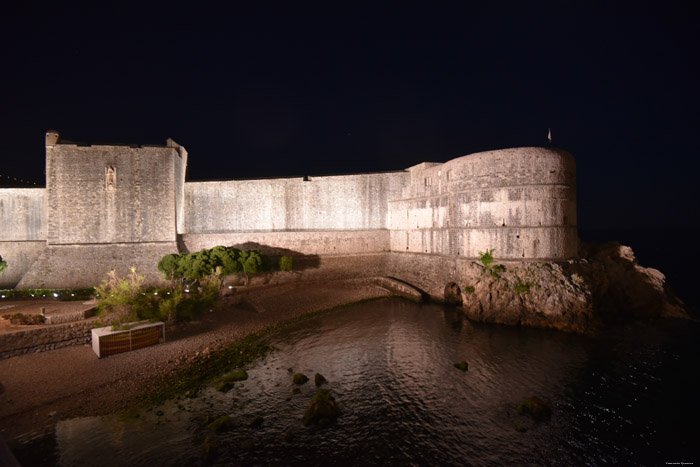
(38,390)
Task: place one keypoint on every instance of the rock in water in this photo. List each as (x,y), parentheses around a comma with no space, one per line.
(299,378)
(322,409)
(255,422)
(319,379)
(238,375)
(535,408)
(220,424)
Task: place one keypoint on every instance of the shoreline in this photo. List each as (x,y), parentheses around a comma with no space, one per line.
(40,389)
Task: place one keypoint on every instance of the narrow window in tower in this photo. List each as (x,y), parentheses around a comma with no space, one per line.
(110,178)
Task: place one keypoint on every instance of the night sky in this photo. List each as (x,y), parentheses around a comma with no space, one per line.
(255,92)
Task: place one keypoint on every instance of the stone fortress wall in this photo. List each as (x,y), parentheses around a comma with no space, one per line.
(520,202)
(23,226)
(110,206)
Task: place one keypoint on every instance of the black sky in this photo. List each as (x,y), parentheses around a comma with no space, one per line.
(284,91)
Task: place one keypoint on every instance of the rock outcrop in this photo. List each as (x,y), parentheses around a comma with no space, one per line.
(322,409)
(575,296)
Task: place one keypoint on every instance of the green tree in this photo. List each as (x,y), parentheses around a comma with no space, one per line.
(226,258)
(202,264)
(286,263)
(185,265)
(251,262)
(168,265)
(3,265)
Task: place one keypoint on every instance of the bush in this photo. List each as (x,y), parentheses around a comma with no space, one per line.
(496,270)
(184,306)
(286,263)
(486,258)
(522,287)
(122,300)
(218,261)
(3,265)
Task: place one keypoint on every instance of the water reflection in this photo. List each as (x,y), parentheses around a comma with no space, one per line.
(390,366)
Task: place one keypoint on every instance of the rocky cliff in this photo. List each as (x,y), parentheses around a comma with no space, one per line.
(577,296)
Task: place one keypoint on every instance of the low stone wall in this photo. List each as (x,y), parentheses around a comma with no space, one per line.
(61,318)
(45,338)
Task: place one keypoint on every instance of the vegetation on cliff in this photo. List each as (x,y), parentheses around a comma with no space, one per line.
(577,295)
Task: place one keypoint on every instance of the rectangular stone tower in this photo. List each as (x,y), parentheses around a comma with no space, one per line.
(109,207)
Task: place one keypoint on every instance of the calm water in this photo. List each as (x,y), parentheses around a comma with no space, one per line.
(627,398)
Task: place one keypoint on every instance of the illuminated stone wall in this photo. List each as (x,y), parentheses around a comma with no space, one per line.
(109,207)
(349,202)
(317,242)
(110,194)
(126,206)
(22,214)
(520,202)
(23,221)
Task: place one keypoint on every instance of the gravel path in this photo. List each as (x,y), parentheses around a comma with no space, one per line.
(38,390)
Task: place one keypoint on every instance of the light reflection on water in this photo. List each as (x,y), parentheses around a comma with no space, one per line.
(390,367)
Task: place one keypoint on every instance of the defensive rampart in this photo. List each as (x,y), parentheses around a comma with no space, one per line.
(23,221)
(349,202)
(126,206)
(520,202)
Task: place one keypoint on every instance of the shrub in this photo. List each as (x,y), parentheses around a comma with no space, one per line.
(496,270)
(218,261)
(3,265)
(522,287)
(468,289)
(486,258)
(123,300)
(286,263)
(184,306)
